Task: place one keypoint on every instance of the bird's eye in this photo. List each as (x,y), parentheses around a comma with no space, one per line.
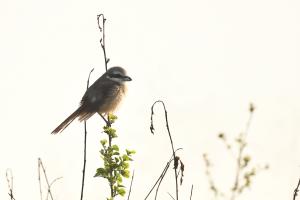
(116,75)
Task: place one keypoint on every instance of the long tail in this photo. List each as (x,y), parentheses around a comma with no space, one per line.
(67,121)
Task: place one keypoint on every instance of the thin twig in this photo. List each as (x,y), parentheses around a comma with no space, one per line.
(168,129)
(159,178)
(40,183)
(102,39)
(10,183)
(191,192)
(88,81)
(242,146)
(171,196)
(162,175)
(52,184)
(84,145)
(55,180)
(296,190)
(211,181)
(40,164)
(130,185)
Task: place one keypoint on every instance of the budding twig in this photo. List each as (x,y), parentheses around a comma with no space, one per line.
(168,129)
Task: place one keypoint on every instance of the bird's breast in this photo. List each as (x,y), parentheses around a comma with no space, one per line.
(113,100)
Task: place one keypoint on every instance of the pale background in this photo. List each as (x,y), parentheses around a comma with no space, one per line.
(206,59)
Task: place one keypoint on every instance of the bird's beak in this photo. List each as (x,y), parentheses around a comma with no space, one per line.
(127,78)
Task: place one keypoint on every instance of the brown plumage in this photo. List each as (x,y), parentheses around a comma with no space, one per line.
(102,97)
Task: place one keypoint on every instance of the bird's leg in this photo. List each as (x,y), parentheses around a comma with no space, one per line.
(106,121)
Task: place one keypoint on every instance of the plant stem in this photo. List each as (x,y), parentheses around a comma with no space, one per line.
(171,140)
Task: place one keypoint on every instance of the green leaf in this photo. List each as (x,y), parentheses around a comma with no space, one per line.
(121,191)
(125,173)
(125,165)
(125,157)
(121,186)
(101,172)
(110,131)
(115,147)
(102,151)
(106,128)
(113,134)
(119,179)
(114,165)
(130,152)
(103,142)
(112,118)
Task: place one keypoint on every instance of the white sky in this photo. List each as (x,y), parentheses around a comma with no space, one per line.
(206,59)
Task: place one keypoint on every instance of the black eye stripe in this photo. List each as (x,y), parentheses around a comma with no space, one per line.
(115,75)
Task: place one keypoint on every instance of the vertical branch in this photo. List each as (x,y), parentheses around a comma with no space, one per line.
(242,144)
(10,183)
(101,25)
(84,146)
(296,190)
(171,140)
(115,165)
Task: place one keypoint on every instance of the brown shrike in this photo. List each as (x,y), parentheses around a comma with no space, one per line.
(102,97)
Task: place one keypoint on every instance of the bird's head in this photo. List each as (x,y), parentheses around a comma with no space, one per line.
(117,74)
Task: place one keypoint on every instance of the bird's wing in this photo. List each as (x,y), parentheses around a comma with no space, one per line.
(98,94)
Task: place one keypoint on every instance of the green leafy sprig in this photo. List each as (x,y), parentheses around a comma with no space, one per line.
(115,164)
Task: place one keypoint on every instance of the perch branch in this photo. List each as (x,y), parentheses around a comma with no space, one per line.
(84,145)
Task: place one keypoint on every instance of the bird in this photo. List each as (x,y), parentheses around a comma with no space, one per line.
(102,97)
